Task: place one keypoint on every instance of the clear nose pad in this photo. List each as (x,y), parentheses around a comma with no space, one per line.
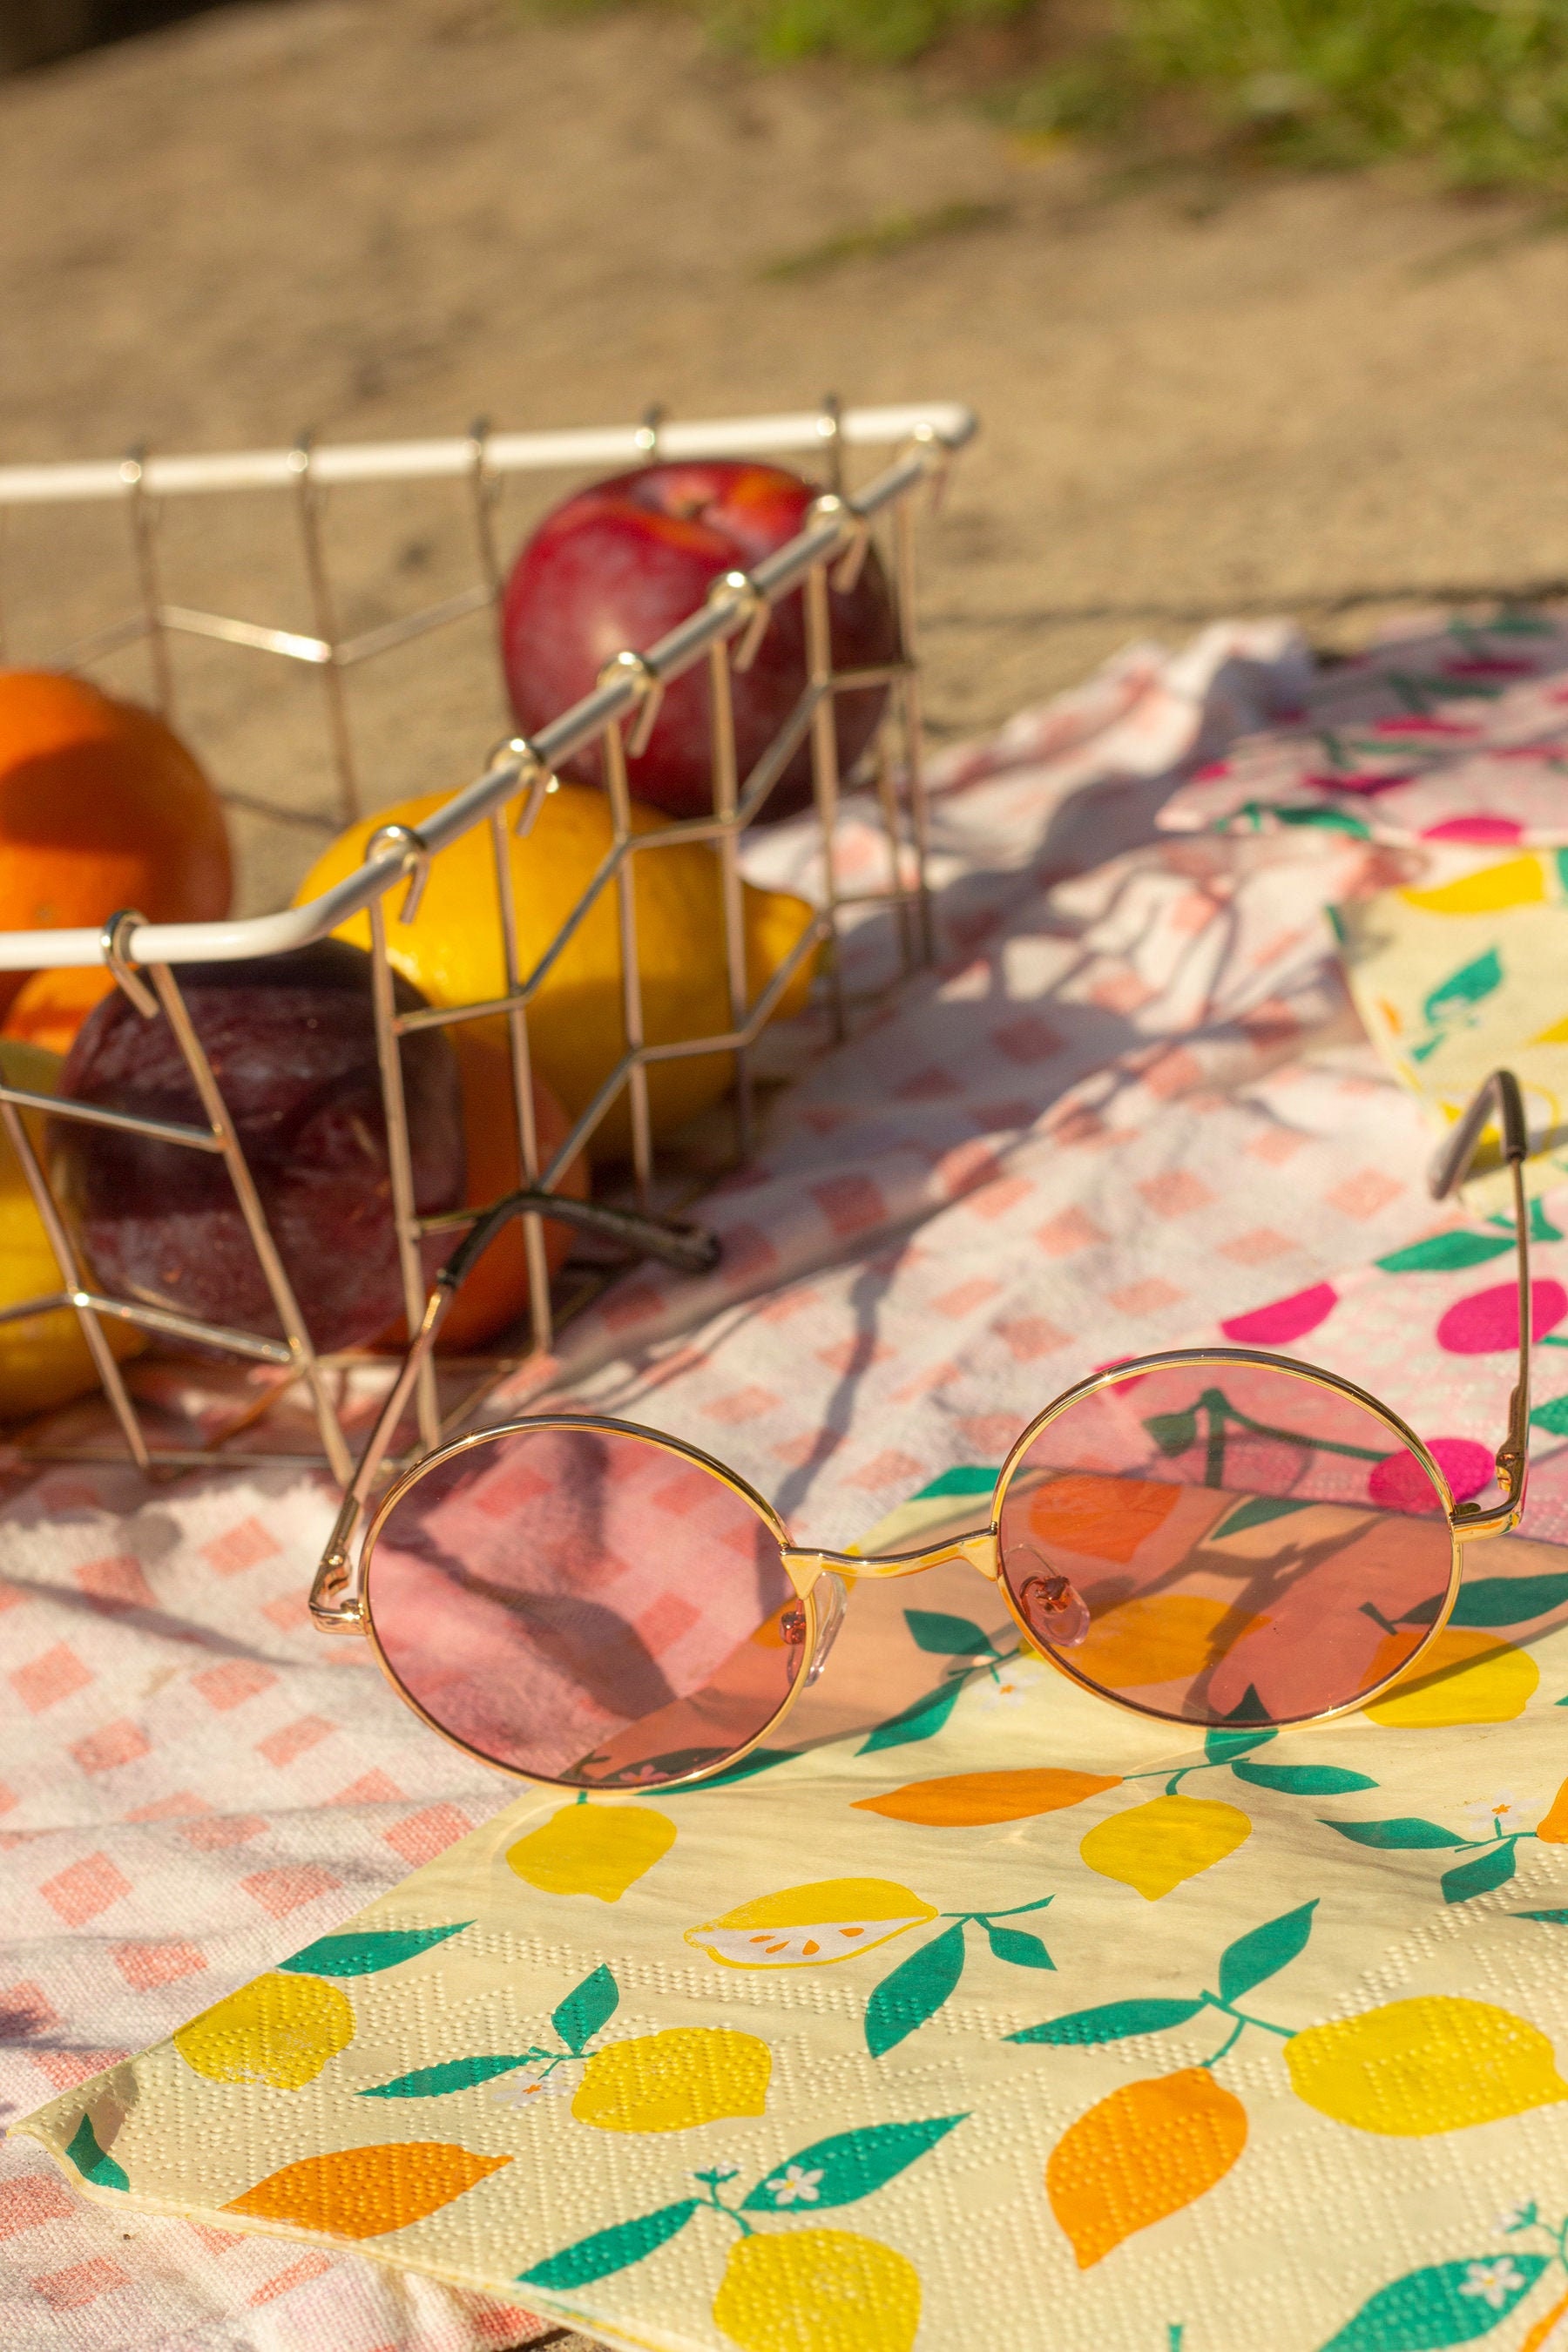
(831,1594)
(1050,1603)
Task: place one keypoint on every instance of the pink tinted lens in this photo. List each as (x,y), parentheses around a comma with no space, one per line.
(586,1607)
(1225,1543)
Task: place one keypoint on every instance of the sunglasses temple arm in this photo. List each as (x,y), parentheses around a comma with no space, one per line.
(688,1249)
(1499,1097)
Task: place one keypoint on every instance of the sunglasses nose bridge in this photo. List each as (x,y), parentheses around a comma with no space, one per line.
(977,1548)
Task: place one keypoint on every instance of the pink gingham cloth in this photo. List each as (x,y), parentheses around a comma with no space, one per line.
(1130,1102)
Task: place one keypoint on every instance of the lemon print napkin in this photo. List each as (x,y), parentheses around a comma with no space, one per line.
(984,2015)
(1455,977)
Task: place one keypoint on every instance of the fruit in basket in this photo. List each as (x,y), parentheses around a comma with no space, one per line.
(44,1361)
(620,563)
(292,1041)
(101,807)
(50,1006)
(496,1292)
(453,948)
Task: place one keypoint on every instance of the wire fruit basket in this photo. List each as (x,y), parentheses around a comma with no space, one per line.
(145,958)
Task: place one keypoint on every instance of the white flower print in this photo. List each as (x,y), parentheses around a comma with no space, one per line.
(1493,2282)
(796,2186)
(1011,1686)
(522,2089)
(1500,1807)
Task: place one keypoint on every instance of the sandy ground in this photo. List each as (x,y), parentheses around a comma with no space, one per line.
(379,216)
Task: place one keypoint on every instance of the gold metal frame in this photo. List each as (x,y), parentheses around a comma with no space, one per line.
(342,1597)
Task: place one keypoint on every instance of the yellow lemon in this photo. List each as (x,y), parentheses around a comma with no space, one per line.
(593,1850)
(1464,1676)
(1148,2150)
(362,2192)
(669,2081)
(453,948)
(1513,882)
(818,2291)
(43,1361)
(281,2030)
(1437,2064)
(1157,1846)
(811,1927)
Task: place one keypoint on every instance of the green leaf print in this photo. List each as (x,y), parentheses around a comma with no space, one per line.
(1223,1746)
(1402,1835)
(1551,1918)
(915,1990)
(1553,1417)
(1025,1951)
(1447,1252)
(1493,1866)
(923,1720)
(1451,2303)
(1114,2021)
(1302,1779)
(611,2249)
(1173,1433)
(370,1952)
(1261,1954)
(453,2074)
(91,2162)
(1465,987)
(948,1637)
(1509,1599)
(1502,1600)
(1257,1513)
(850,2165)
(589,2006)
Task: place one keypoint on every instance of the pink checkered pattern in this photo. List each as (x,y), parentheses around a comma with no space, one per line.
(1131,1099)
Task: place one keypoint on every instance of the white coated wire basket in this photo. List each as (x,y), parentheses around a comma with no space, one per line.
(916,444)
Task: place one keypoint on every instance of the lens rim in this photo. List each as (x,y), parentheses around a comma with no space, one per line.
(408,1479)
(1313,1376)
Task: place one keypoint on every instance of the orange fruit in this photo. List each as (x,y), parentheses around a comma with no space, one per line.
(101,807)
(970,1798)
(1149,2150)
(496,1292)
(1552,1828)
(50,1007)
(362,2192)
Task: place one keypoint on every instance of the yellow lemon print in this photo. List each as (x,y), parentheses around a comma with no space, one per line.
(281,2030)
(362,2192)
(1159,1845)
(1513,882)
(1161,1637)
(1437,2064)
(1148,2150)
(1552,1828)
(968,1799)
(1464,1676)
(593,1850)
(669,2081)
(818,2291)
(810,1926)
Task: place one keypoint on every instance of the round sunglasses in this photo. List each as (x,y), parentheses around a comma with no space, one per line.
(1213,1538)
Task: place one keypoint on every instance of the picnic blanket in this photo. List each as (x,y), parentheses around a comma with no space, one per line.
(1133,1101)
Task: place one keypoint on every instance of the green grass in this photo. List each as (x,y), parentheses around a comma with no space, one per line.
(892,234)
(1478,87)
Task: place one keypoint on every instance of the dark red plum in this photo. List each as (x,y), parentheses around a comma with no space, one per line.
(619,564)
(292,1040)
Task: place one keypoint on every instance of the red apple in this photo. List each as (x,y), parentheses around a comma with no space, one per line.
(621,563)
